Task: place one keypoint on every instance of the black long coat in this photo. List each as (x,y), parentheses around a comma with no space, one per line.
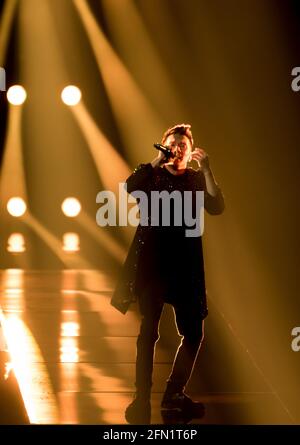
(163,258)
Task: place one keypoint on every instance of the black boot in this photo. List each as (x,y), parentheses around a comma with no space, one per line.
(138,412)
(177,405)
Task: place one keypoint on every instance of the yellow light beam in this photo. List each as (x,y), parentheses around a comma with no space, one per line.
(6,22)
(136,118)
(33,379)
(136,47)
(12,180)
(111,168)
(102,237)
(12,177)
(75,261)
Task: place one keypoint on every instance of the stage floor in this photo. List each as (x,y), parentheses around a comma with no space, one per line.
(74,357)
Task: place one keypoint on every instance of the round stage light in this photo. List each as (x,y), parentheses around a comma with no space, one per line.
(16,95)
(16,207)
(71,95)
(71,242)
(16,243)
(71,207)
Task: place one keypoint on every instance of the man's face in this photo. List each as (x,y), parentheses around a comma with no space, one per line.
(180,146)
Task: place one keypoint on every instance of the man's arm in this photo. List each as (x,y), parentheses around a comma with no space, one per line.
(140,177)
(213,197)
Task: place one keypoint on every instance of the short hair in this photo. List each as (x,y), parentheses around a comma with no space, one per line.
(182,129)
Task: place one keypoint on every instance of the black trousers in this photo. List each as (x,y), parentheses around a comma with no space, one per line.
(190,326)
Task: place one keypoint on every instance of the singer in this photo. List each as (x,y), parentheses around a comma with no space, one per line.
(165,266)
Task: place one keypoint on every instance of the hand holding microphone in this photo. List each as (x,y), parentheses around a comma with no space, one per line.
(165,150)
(164,155)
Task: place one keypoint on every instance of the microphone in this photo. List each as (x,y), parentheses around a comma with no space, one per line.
(165,150)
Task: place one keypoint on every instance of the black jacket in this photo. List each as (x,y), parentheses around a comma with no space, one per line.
(175,270)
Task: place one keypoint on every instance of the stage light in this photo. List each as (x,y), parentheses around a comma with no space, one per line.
(70,242)
(69,329)
(16,207)
(16,243)
(16,95)
(71,95)
(71,207)
(69,351)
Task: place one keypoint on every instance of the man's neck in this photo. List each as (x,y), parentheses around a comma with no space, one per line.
(176,169)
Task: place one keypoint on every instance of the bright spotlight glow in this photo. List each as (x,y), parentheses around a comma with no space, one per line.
(16,243)
(71,207)
(3,344)
(70,329)
(16,95)
(16,207)
(69,351)
(32,376)
(70,242)
(71,95)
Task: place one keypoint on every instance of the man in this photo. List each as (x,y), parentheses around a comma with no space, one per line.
(164,265)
